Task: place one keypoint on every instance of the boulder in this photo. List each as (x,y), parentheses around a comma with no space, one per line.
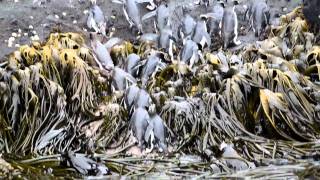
(312,13)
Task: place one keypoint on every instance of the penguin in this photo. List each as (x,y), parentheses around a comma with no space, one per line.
(156,129)
(166,40)
(132,11)
(186,29)
(113,42)
(130,95)
(201,35)
(143,99)
(101,53)
(190,53)
(132,61)
(121,79)
(233,159)
(150,66)
(85,165)
(229,27)
(215,16)
(139,122)
(96,19)
(162,16)
(259,17)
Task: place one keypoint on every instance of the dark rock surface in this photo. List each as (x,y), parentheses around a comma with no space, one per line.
(26,18)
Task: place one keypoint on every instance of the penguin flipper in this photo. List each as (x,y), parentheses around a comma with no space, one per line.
(118,1)
(148,133)
(143,1)
(149,15)
(208,15)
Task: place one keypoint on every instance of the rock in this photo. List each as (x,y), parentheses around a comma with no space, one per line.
(5,167)
(312,13)
(14,22)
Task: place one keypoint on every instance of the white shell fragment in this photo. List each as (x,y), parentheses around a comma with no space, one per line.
(10,41)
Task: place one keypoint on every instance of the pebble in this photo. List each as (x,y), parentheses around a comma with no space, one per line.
(10,41)
(14,34)
(17,45)
(34,32)
(56,16)
(31,17)
(45,25)
(25,34)
(30,27)
(85,11)
(64,13)
(74,22)
(19,31)
(14,22)
(35,38)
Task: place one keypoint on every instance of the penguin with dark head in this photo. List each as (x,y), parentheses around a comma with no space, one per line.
(229,26)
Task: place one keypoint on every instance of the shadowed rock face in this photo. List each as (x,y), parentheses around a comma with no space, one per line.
(312,13)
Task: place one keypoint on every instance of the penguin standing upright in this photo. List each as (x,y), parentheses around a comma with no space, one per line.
(259,17)
(96,19)
(201,35)
(103,56)
(139,122)
(132,14)
(229,26)
(187,27)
